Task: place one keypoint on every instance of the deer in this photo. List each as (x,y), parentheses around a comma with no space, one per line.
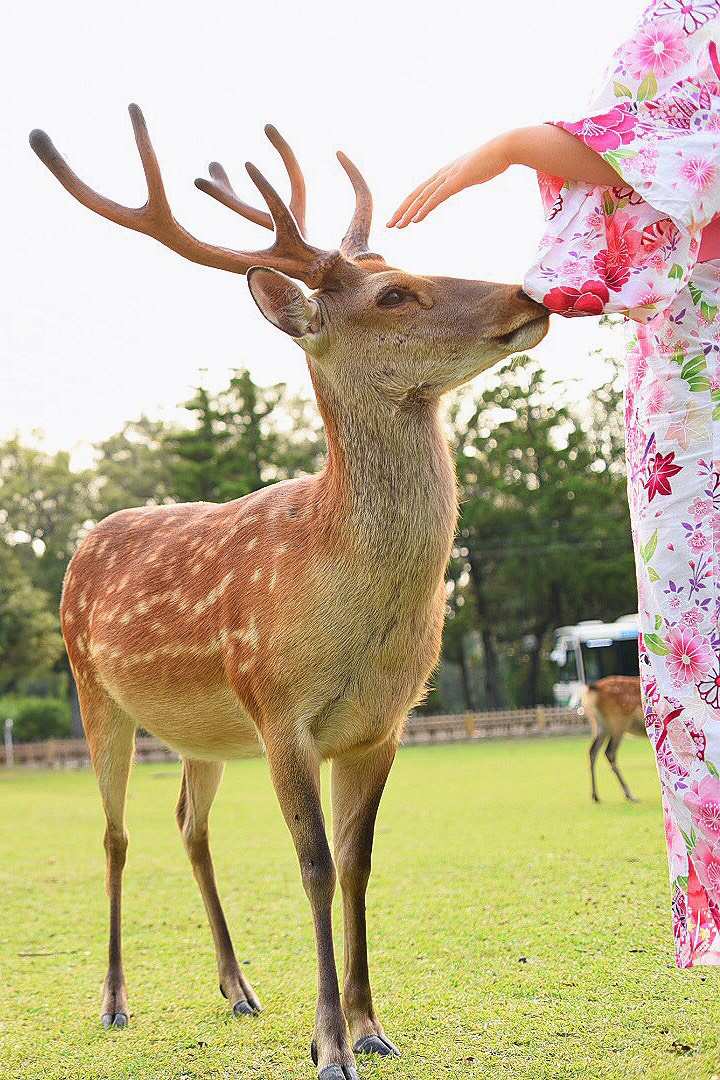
(614,708)
(303,620)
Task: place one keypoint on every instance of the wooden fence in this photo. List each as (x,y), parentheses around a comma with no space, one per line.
(74,753)
(501,724)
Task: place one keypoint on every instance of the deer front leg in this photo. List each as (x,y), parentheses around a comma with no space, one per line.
(358,781)
(594,751)
(296,777)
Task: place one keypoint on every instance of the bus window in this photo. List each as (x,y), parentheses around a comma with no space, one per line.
(605,657)
(567,671)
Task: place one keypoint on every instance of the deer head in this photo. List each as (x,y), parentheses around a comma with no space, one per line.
(365,326)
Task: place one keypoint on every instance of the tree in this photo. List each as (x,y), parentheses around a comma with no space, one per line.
(223,455)
(300,445)
(45,507)
(134,467)
(544,533)
(30,641)
(243,438)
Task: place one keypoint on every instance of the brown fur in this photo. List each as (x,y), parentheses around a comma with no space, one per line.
(614,707)
(304,618)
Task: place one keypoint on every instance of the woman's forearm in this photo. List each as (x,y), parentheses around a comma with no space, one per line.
(549,149)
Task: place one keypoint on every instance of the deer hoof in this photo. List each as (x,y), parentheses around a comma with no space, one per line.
(376,1044)
(333,1072)
(118,1020)
(244,1008)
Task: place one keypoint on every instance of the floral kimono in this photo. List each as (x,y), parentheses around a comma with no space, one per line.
(644,248)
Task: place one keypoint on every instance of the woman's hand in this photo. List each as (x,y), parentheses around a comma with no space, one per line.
(545,148)
(477,167)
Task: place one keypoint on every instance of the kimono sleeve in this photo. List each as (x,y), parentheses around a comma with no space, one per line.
(632,247)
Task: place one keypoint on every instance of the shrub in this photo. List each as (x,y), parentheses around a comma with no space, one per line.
(35,719)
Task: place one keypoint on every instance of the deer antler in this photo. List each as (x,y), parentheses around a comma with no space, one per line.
(289,253)
(221,189)
(355,241)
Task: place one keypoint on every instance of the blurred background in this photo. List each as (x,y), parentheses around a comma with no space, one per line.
(129,376)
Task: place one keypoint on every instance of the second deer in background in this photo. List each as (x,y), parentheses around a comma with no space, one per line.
(614,707)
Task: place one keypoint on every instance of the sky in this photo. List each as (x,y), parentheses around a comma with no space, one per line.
(98,324)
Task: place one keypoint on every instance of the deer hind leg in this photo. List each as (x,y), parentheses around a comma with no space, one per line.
(111,738)
(358,782)
(200,781)
(611,754)
(296,778)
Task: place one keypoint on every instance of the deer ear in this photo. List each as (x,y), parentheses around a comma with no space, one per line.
(282,302)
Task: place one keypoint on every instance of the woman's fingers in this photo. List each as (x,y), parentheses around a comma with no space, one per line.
(477,167)
(405,204)
(439,195)
(417,203)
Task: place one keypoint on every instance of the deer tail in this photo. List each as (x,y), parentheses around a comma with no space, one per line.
(589,707)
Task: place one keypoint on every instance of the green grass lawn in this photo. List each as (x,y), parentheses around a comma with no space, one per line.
(516,930)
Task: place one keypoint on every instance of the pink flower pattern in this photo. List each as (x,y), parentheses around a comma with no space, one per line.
(659,48)
(608,131)
(699,172)
(706,858)
(689,655)
(703,802)
(633,249)
(588,299)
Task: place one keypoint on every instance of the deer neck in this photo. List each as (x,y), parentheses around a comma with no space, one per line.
(389,478)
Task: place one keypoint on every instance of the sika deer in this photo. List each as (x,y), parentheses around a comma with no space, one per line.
(614,707)
(304,618)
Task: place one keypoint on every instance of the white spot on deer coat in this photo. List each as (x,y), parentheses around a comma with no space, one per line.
(214,594)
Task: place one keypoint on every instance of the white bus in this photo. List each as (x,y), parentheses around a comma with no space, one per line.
(589,651)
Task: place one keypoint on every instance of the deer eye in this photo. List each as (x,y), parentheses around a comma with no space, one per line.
(392,297)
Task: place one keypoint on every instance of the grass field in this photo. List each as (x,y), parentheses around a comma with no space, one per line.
(517,931)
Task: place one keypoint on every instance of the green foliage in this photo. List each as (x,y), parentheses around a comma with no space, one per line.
(236,446)
(133,468)
(30,641)
(517,931)
(544,536)
(239,440)
(36,719)
(45,504)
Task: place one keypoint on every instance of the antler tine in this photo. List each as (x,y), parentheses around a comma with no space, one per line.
(51,157)
(221,189)
(355,241)
(289,252)
(297,180)
(286,228)
(157,198)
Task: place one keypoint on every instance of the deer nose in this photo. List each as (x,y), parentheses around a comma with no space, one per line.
(524,299)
